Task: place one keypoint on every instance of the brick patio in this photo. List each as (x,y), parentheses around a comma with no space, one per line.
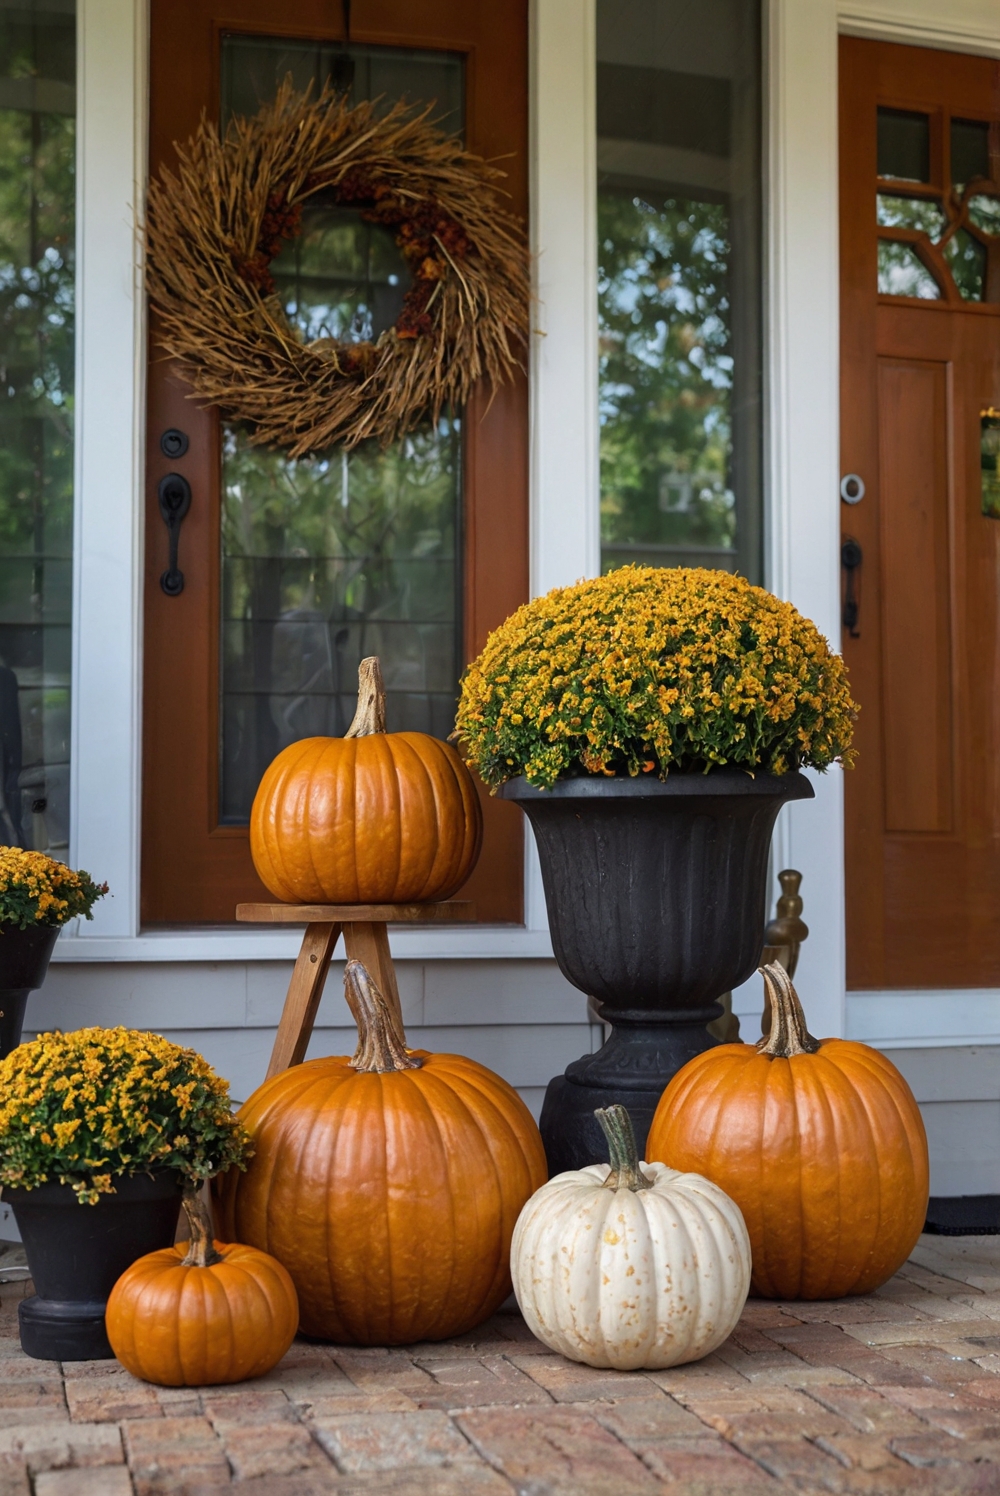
(899,1392)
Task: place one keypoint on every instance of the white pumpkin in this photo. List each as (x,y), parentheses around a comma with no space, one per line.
(630,1265)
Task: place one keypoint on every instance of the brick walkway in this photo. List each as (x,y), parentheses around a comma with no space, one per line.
(899,1392)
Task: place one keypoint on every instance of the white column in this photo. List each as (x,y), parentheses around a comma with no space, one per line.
(803,520)
(107,576)
(565,480)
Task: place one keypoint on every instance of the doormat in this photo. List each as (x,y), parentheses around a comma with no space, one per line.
(963,1215)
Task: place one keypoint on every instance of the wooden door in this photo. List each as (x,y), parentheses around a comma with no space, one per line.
(920,374)
(195,854)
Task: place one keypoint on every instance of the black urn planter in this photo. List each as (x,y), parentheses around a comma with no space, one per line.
(24,960)
(656,894)
(76,1253)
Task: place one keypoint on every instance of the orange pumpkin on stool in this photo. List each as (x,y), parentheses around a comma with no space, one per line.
(374,817)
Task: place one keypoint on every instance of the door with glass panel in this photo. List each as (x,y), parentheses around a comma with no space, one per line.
(920,414)
(296,570)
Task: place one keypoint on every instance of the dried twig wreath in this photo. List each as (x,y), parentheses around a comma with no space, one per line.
(214,227)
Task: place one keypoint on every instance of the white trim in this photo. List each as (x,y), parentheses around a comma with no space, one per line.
(802,521)
(479,942)
(944,1019)
(959,26)
(107,569)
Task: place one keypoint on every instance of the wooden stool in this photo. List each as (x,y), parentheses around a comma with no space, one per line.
(366,940)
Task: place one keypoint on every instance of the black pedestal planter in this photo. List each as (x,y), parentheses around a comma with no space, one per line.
(656,895)
(76,1254)
(24,960)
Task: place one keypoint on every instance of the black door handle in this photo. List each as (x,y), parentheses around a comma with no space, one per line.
(174,494)
(851,557)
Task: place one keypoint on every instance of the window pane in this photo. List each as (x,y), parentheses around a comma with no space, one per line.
(904,145)
(901,272)
(334,557)
(678,115)
(37,145)
(967,262)
(921,213)
(970,150)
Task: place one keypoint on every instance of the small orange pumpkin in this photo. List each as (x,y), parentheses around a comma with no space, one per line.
(387,1184)
(375,817)
(819,1142)
(198,1314)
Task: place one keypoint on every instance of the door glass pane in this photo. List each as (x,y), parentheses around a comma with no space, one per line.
(337,556)
(37,146)
(925,214)
(967,262)
(901,272)
(970,150)
(678,153)
(904,145)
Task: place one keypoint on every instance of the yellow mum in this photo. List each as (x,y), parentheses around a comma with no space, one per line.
(648,669)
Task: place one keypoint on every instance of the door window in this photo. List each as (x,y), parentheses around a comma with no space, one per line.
(330,558)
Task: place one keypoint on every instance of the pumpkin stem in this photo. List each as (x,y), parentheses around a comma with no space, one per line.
(369,717)
(788,1033)
(380,1048)
(616,1125)
(201,1252)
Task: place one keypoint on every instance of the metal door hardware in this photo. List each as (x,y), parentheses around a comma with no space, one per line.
(174,494)
(174,443)
(851,557)
(852,488)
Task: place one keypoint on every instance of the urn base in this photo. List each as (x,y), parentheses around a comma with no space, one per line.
(63,1330)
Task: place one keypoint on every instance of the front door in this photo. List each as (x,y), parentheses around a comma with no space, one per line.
(295,570)
(920,396)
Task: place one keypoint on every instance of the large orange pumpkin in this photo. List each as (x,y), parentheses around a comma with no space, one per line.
(199,1314)
(387,1184)
(375,817)
(819,1142)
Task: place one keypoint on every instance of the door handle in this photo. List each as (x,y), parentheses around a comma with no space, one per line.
(174,494)
(851,557)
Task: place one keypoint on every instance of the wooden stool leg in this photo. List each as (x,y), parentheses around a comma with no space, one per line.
(369,944)
(304,992)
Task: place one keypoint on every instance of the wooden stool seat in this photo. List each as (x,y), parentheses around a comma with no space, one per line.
(366,939)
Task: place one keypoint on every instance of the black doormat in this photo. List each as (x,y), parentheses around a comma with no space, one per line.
(963,1215)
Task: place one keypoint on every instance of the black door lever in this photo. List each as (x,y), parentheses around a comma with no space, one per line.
(851,557)
(174,494)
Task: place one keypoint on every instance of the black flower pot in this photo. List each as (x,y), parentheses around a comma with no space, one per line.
(656,894)
(76,1253)
(24,960)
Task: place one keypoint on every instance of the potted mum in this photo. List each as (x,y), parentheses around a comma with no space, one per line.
(651,723)
(101,1133)
(38,895)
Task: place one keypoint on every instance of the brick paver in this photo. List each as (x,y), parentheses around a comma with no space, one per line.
(898,1392)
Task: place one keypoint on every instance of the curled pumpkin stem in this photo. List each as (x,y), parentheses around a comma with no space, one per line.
(369,718)
(380,1048)
(616,1125)
(788,1033)
(201,1252)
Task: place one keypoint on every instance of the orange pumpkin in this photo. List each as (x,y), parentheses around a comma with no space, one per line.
(387,1184)
(199,1314)
(375,817)
(819,1142)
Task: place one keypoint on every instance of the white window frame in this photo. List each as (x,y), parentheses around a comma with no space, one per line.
(802,432)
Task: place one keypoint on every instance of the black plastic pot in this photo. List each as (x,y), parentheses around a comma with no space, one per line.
(24,960)
(656,894)
(76,1253)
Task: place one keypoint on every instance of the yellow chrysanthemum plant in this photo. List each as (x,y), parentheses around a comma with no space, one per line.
(36,891)
(83,1107)
(648,670)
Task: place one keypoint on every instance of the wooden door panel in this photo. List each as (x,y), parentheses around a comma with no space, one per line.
(922,825)
(194,869)
(916,601)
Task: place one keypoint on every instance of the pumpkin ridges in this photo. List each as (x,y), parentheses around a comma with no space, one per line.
(419,857)
(833,1136)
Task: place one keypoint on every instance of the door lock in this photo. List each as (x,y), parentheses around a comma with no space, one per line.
(851,557)
(852,488)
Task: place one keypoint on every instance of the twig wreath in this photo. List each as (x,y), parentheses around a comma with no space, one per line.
(214,228)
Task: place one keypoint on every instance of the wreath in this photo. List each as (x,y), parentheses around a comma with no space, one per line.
(214,227)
